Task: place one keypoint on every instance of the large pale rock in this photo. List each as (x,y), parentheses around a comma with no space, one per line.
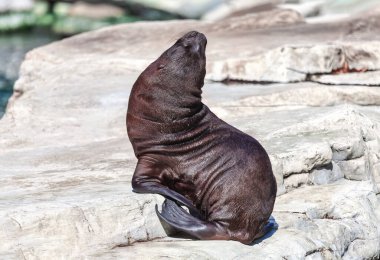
(99,11)
(186,8)
(324,221)
(306,93)
(298,63)
(348,6)
(272,18)
(325,175)
(66,161)
(232,8)
(371,78)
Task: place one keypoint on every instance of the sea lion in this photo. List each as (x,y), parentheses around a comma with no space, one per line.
(193,158)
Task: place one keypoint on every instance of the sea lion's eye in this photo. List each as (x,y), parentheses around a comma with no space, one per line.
(186,45)
(161,66)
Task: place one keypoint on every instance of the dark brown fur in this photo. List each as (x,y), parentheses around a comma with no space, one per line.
(193,158)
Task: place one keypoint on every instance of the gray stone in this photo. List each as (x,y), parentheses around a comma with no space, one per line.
(310,8)
(346,151)
(302,94)
(355,169)
(189,9)
(313,221)
(271,18)
(98,11)
(298,63)
(348,6)
(328,18)
(325,175)
(66,161)
(371,78)
(232,8)
(295,181)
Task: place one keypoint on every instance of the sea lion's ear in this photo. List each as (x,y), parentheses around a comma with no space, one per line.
(161,66)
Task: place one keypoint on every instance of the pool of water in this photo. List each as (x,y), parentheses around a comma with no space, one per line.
(5,93)
(13,47)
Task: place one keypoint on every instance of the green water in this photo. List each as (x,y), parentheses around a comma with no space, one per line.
(5,93)
(13,47)
(22,31)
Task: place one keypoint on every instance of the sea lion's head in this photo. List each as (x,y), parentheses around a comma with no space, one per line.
(183,64)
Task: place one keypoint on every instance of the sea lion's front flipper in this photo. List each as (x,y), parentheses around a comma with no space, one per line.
(178,218)
(147,179)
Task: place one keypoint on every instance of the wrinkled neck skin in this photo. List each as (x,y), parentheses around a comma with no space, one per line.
(171,97)
(166,98)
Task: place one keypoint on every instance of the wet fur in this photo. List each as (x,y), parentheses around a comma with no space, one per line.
(193,158)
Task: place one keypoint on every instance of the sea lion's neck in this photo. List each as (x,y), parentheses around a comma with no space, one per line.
(166,105)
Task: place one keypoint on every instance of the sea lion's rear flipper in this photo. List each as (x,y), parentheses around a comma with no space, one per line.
(153,187)
(179,219)
(145,180)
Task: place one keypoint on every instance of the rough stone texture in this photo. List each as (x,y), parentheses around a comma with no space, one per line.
(99,11)
(298,63)
(322,11)
(270,18)
(232,8)
(309,8)
(326,222)
(66,162)
(371,78)
(186,8)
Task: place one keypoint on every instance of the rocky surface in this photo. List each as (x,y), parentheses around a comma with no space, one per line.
(305,63)
(314,11)
(66,162)
(99,11)
(235,8)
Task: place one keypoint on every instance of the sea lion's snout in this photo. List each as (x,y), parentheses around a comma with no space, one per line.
(195,41)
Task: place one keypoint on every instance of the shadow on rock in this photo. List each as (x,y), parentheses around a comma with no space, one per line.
(272,227)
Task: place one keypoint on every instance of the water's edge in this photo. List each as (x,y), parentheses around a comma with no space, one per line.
(13,47)
(6,87)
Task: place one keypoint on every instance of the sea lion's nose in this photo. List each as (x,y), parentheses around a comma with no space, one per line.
(196,36)
(195,41)
(191,34)
(202,38)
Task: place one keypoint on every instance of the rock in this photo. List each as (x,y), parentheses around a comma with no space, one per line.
(305,93)
(260,20)
(237,8)
(326,175)
(310,8)
(317,226)
(350,6)
(295,181)
(66,161)
(98,11)
(371,78)
(356,169)
(188,9)
(328,18)
(299,63)
(346,151)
